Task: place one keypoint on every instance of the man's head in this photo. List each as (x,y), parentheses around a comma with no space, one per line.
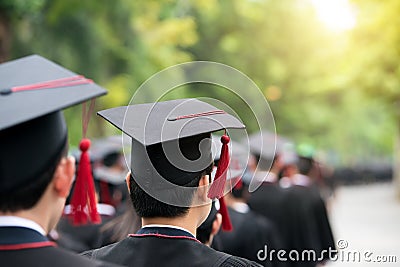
(187,186)
(47,173)
(148,207)
(171,159)
(38,170)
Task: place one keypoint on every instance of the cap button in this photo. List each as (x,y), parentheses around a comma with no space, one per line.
(84,145)
(6,91)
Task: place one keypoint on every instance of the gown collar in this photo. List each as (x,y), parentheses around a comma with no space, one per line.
(164,231)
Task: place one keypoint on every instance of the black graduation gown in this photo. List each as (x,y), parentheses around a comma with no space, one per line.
(251,232)
(299,226)
(307,210)
(24,247)
(80,238)
(268,200)
(300,215)
(162,246)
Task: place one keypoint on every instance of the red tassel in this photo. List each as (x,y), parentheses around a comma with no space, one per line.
(217,187)
(83,202)
(239,184)
(226,220)
(105,195)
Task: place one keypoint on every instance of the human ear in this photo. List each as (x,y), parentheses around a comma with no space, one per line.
(128,181)
(203,188)
(216,224)
(63,176)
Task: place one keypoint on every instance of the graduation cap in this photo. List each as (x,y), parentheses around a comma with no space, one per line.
(109,168)
(267,144)
(263,144)
(33,91)
(171,143)
(107,153)
(102,147)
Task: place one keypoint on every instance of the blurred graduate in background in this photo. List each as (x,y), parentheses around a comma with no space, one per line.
(290,199)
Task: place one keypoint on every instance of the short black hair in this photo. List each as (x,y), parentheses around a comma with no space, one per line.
(148,207)
(263,163)
(239,191)
(26,196)
(111,159)
(305,165)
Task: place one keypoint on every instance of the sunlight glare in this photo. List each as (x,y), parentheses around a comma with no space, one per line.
(337,15)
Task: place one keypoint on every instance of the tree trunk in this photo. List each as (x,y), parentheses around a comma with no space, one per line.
(5,38)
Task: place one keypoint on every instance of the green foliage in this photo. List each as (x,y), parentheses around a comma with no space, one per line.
(379,34)
(315,79)
(16,8)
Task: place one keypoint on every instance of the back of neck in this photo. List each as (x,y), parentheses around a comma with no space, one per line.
(183,221)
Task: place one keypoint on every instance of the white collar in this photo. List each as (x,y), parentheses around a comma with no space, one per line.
(265,176)
(21,222)
(167,226)
(297,179)
(300,179)
(285,182)
(103,209)
(240,207)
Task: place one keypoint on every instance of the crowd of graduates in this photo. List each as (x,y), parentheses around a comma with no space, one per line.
(154,208)
(287,212)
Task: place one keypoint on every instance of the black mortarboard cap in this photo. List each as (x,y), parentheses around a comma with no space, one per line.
(103,147)
(33,91)
(266,145)
(171,140)
(109,168)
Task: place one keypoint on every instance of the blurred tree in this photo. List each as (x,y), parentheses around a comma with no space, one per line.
(308,74)
(11,10)
(119,44)
(292,58)
(375,68)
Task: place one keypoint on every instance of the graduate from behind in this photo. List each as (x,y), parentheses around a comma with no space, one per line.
(35,172)
(169,184)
